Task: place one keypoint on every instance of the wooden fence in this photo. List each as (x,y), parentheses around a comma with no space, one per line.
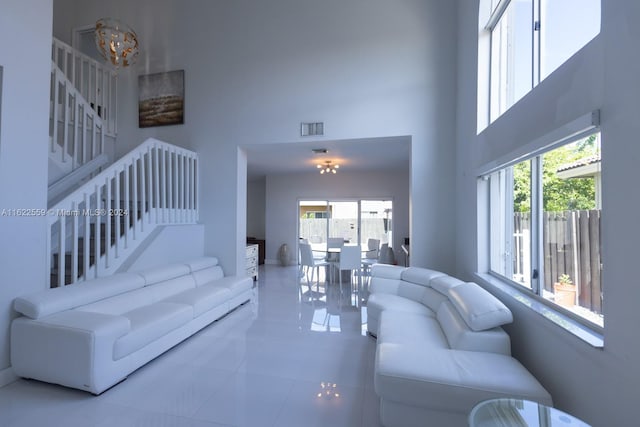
(571,245)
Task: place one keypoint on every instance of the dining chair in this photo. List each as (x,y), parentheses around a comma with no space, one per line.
(349,260)
(373,247)
(308,262)
(335,242)
(370,258)
(333,248)
(317,254)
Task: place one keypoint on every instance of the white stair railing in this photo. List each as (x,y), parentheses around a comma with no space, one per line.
(83,101)
(94,229)
(96,83)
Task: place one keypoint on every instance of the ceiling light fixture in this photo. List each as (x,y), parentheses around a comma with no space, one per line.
(328,167)
(116,42)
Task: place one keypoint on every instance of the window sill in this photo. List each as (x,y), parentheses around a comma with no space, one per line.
(591,337)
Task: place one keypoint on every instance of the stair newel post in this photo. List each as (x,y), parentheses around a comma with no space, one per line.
(107,234)
(116,205)
(74,241)
(86,218)
(133,212)
(143,192)
(98,228)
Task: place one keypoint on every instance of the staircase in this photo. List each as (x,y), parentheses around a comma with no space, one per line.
(98,213)
(155,184)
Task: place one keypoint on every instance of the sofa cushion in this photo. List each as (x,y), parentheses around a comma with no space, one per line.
(450,380)
(420,276)
(162,290)
(478,308)
(378,302)
(235,284)
(402,328)
(160,274)
(121,304)
(442,284)
(202,298)
(49,301)
(206,275)
(432,299)
(149,323)
(460,337)
(387,271)
(202,263)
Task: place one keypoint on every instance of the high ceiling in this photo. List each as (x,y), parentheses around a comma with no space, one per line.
(364,154)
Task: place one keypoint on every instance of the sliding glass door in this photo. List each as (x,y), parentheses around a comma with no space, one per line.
(356,221)
(343,221)
(376,221)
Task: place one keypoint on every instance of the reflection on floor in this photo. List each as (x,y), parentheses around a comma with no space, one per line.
(290,358)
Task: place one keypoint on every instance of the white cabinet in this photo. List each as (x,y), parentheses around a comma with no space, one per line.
(252,261)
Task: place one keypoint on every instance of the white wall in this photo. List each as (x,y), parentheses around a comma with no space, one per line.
(598,385)
(25,56)
(254,70)
(256,207)
(169,244)
(284,192)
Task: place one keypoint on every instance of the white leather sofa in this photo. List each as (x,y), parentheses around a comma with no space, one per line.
(440,348)
(91,335)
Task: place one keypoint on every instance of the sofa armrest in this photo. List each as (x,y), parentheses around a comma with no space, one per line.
(66,348)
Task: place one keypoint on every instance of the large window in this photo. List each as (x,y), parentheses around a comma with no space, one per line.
(544,215)
(530,39)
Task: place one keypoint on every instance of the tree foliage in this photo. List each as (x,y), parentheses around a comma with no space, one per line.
(558,194)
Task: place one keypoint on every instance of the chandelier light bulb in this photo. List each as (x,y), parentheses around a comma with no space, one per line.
(328,167)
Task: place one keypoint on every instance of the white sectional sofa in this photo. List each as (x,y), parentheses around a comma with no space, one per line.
(91,335)
(440,348)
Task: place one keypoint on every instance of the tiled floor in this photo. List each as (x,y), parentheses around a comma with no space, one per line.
(262,365)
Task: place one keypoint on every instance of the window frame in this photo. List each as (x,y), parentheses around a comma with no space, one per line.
(537,256)
(493,22)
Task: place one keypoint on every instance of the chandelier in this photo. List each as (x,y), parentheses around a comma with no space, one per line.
(116,42)
(328,167)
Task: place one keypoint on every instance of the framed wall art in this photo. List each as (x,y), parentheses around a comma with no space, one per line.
(161,99)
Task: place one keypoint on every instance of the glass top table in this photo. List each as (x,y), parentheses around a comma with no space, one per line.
(520,413)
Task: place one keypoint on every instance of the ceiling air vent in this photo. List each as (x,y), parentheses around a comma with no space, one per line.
(312,129)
